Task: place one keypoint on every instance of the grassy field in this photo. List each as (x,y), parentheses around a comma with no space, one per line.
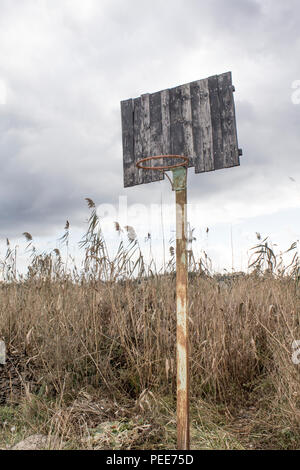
(91,354)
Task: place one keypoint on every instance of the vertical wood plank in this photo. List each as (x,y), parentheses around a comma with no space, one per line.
(228,123)
(206,127)
(165,119)
(198,156)
(202,131)
(176,121)
(219,160)
(137,138)
(187,123)
(128,143)
(156,134)
(145,133)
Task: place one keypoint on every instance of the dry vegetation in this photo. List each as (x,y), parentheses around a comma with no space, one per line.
(91,353)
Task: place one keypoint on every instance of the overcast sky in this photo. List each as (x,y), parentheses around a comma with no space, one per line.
(65,65)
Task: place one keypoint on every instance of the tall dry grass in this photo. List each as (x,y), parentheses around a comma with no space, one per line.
(112,327)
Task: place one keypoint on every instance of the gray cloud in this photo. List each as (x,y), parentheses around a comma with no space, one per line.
(67,65)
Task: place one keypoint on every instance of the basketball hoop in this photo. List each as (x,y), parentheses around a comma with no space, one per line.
(183,121)
(140,165)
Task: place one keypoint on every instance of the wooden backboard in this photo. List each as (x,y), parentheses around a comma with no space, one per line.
(196,120)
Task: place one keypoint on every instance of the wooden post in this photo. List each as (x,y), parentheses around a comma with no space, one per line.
(183,431)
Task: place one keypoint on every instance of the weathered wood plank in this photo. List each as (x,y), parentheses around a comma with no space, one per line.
(176,122)
(219,160)
(228,123)
(128,144)
(206,127)
(187,123)
(156,134)
(137,138)
(198,156)
(165,119)
(145,133)
(202,130)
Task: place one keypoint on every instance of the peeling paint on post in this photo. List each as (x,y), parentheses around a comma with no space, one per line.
(183,431)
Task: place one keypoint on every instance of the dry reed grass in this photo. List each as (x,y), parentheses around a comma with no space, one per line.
(105,334)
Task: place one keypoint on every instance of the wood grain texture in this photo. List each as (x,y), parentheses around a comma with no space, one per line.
(176,121)
(165,119)
(188,146)
(198,155)
(137,138)
(156,133)
(196,120)
(218,151)
(227,111)
(202,126)
(145,132)
(206,127)
(128,142)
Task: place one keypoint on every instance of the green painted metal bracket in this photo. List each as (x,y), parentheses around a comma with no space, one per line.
(179,178)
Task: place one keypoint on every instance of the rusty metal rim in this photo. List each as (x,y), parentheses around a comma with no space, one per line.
(165,167)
